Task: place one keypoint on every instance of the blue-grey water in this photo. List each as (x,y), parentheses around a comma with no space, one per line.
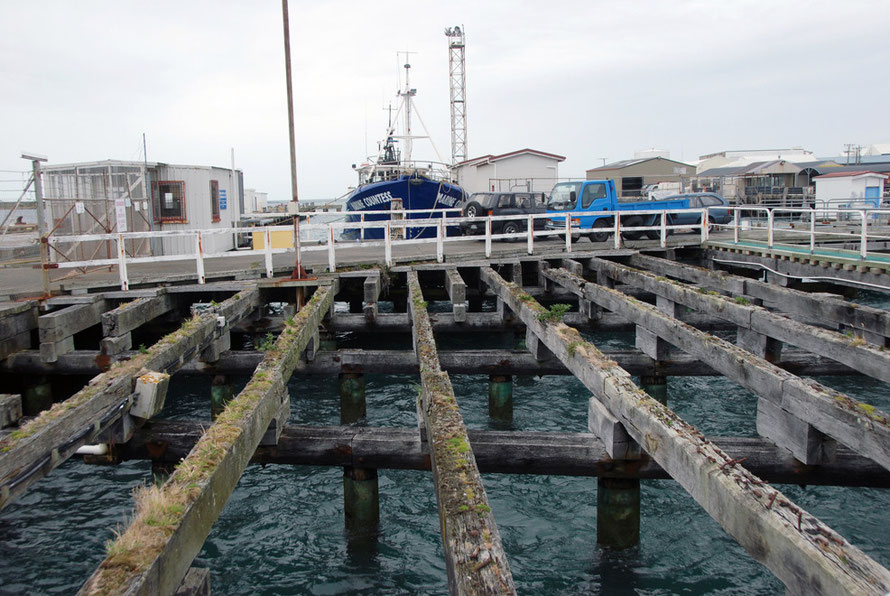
(282,530)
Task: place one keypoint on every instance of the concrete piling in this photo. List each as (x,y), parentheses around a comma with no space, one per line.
(618,512)
(37,397)
(221,393)
(361,497)
(500,398)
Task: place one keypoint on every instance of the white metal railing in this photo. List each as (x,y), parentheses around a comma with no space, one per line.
(446,231)
(816,225)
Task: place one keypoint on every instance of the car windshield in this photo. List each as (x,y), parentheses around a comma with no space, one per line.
(561,198)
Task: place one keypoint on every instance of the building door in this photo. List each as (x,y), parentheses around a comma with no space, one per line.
(872,192)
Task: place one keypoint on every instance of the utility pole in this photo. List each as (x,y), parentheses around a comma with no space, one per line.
(299,272)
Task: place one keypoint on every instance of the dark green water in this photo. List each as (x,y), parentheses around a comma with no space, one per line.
(282,530)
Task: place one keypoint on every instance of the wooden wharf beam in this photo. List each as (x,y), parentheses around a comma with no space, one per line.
(135,313)
(496,452)
(857,425)
(806,555)
(867,359)
(45,442)
(810,307)
(474,555)
(17,319)
(467,362)
(57,329)
(148,559)
(493,321)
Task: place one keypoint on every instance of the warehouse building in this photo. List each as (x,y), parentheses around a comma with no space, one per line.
(523,170)
(632,175)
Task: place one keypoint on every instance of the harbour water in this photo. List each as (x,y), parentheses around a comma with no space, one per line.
(282,530)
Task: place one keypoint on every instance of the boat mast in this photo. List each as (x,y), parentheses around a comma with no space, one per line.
(407,96)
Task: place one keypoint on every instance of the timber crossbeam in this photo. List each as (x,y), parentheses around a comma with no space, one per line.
(781,537)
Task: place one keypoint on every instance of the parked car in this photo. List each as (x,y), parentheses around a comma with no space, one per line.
(482,204)
(700,200)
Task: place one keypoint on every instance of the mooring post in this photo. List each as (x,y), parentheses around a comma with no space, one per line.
(37,397)
(361,497)
(221,392)
(500,398)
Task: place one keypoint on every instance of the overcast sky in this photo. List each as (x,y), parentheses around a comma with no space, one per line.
(592,79)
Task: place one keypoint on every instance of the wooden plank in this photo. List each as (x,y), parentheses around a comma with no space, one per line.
(474,555)
(131,315)
(857,354)
(844,420)
(806,555)
(22,452)
(58,325)
(147,559)
(17,318)
(502,452)
(456,289)
(471,362)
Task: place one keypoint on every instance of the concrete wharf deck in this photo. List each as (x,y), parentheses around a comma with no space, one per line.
(765,337)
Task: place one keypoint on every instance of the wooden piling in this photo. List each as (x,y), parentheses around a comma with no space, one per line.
(500,398)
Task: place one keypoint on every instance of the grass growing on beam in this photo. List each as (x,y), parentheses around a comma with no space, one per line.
(159,511)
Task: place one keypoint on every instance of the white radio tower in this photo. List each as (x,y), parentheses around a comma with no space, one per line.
(458,86)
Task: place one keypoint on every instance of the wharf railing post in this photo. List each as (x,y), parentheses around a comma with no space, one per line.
(812,231)
(735,226)
(531,234)
(663,232)
(222,391)
(704,225)
(199,257)
(568,233)
(362,232)
(332,257)
(361,496)
(863,237)
(122,263)
(268,251)
(769,227)
(500,398)
(440,247)
(387,243)
(616,236)
(488,237)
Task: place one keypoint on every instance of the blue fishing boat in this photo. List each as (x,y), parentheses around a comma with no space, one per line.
(392,181)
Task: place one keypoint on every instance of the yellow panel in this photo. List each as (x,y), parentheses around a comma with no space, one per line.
(280,239)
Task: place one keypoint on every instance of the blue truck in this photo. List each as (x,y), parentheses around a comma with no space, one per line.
(599,203)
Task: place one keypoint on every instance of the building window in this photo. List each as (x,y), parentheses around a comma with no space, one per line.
(214,200)
(169,201)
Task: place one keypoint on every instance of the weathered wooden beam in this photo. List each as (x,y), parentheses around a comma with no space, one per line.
(492,321)
(371,294)
(866,358)
(146,559)
(456,289)
(131,315)
(474,555)
(58,325)
(501,452)
(806,305)
(806,555)
(857,425)
(17,319)
(48,440)
(470,362)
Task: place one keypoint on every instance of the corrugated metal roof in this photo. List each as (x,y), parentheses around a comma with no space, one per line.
(617,165)
(853,174)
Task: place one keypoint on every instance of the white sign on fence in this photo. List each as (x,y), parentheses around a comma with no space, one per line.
(120,211)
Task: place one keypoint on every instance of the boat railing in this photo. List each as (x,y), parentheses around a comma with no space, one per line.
(564,226)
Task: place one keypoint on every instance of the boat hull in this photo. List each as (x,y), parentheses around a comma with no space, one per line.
(415,192)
